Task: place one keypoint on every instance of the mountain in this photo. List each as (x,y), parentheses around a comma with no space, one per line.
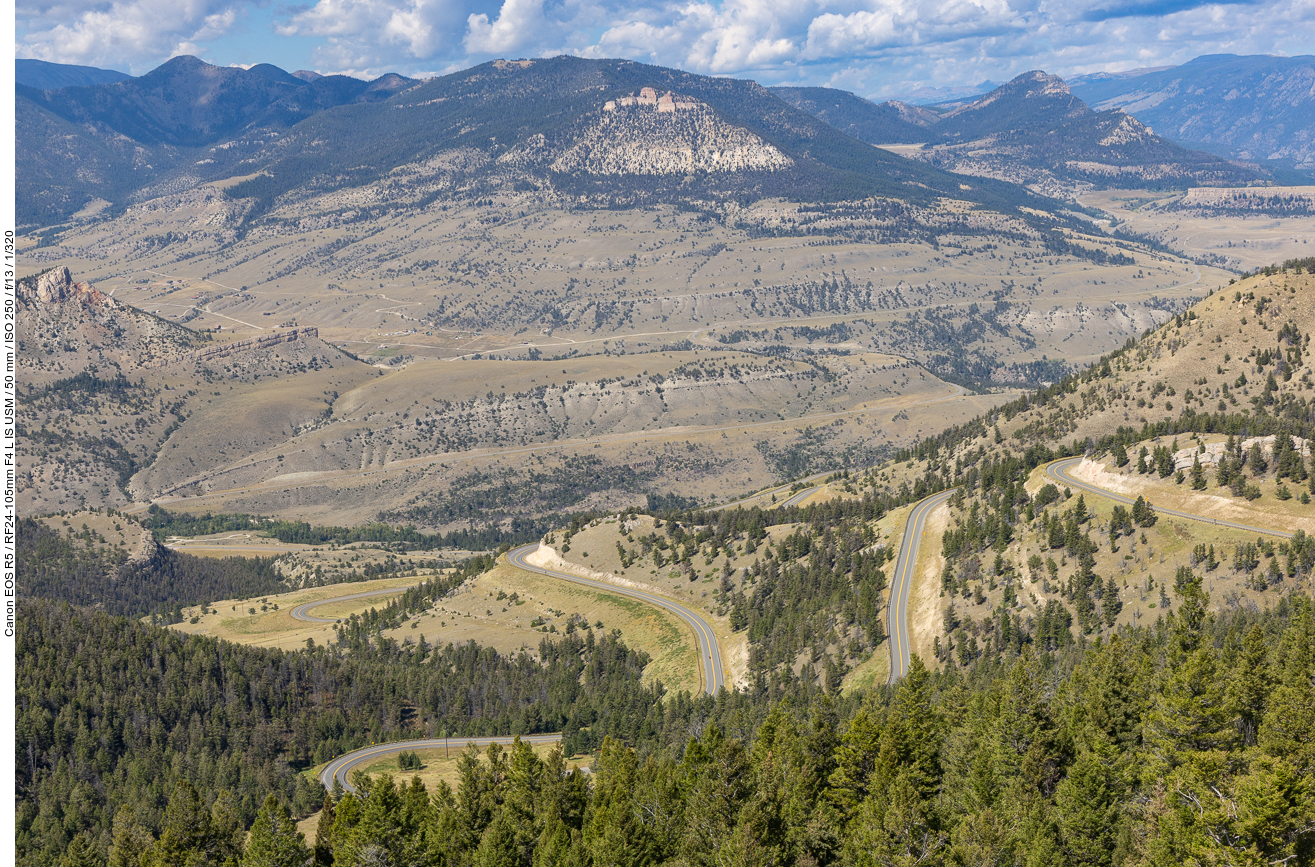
(1252,108)
(1034,131)
(1032,102)
(189,103)
(612,131)
(112,140)
(890,122)
(43,75)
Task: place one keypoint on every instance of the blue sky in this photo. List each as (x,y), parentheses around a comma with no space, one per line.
(877,48)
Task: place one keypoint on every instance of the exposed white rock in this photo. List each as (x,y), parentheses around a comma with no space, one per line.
(670,135)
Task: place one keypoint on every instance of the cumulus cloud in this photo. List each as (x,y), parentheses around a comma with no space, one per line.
(519,22)
(115,33)
(373,32)
(875,47)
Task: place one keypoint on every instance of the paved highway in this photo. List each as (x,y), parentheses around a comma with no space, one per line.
(342,766)
(800,497)
(1058,471)
(299,613)
(709,652)
(898,609)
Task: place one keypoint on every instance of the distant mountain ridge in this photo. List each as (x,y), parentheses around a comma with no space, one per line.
(1032,130)
(43,75)
(539,124)
(187,102)
(108,141)
(890,122)
(1251,108)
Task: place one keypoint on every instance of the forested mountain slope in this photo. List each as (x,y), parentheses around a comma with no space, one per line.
(889,122)
(1107,754)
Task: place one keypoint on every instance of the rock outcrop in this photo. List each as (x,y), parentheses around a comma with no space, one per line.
(56,286)
(667,134)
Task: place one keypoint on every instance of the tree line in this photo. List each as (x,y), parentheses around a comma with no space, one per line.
(112,713)
(1185,742)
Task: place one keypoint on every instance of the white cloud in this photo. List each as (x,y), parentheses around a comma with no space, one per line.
(115,33)
(520,22)
(834,35)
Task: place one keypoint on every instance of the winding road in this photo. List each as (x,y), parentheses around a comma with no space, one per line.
(1058,471)
(341,767)
(897,611)
(709,662)
(301,611)
(709,651)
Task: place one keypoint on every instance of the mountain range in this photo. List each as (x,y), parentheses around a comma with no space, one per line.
(578,127)
(1032,131)
(1257,108)
(569,125)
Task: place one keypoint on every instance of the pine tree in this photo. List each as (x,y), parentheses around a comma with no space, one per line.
(895,828)
(81,852)
(131,841)
(378,836)
(1189,713)
(1080,513)
(614,836)
(1288,729)
(855,758)
(1142,513)
(1250,685)
(497,848)
(226,829)
(1256,460)
(1087,813)
(1110,603)
(186,832)
(274,840)
(324,833)
(1113,700)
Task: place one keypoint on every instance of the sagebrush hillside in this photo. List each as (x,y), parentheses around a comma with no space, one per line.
(1210,414)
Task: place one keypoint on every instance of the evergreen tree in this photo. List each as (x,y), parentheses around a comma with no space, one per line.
(1288,730)
(274,840)
(131,841)
(1087,813)
(81,852)
(896,828)
(1190,712)
(324,833)
(1142,513)
(1250,685)
(185,838)
(378,836)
